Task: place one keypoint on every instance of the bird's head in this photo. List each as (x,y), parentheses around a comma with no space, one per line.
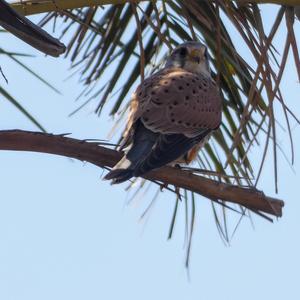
(191,56)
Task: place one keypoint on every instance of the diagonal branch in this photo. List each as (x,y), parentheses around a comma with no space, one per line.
(92,152)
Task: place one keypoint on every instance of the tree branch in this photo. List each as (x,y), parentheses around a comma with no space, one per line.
(30,7)
(92,152)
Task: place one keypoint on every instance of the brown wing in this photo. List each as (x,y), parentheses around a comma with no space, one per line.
(176,101)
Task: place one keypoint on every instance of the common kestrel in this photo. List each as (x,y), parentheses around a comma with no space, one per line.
(29,32)
(173,112)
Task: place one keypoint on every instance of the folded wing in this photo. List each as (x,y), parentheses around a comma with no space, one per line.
(172,111)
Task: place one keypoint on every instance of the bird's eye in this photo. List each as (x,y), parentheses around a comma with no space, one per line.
(182,51)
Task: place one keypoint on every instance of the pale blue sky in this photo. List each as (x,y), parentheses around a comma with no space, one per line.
(65,234)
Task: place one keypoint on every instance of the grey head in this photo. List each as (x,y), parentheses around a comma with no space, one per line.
(191,56)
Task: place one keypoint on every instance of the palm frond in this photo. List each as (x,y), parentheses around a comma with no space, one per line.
(15,103)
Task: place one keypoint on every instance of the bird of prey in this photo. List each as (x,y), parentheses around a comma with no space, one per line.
(29,32)
(173,113)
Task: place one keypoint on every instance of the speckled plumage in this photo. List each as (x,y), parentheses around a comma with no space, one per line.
(176,101)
